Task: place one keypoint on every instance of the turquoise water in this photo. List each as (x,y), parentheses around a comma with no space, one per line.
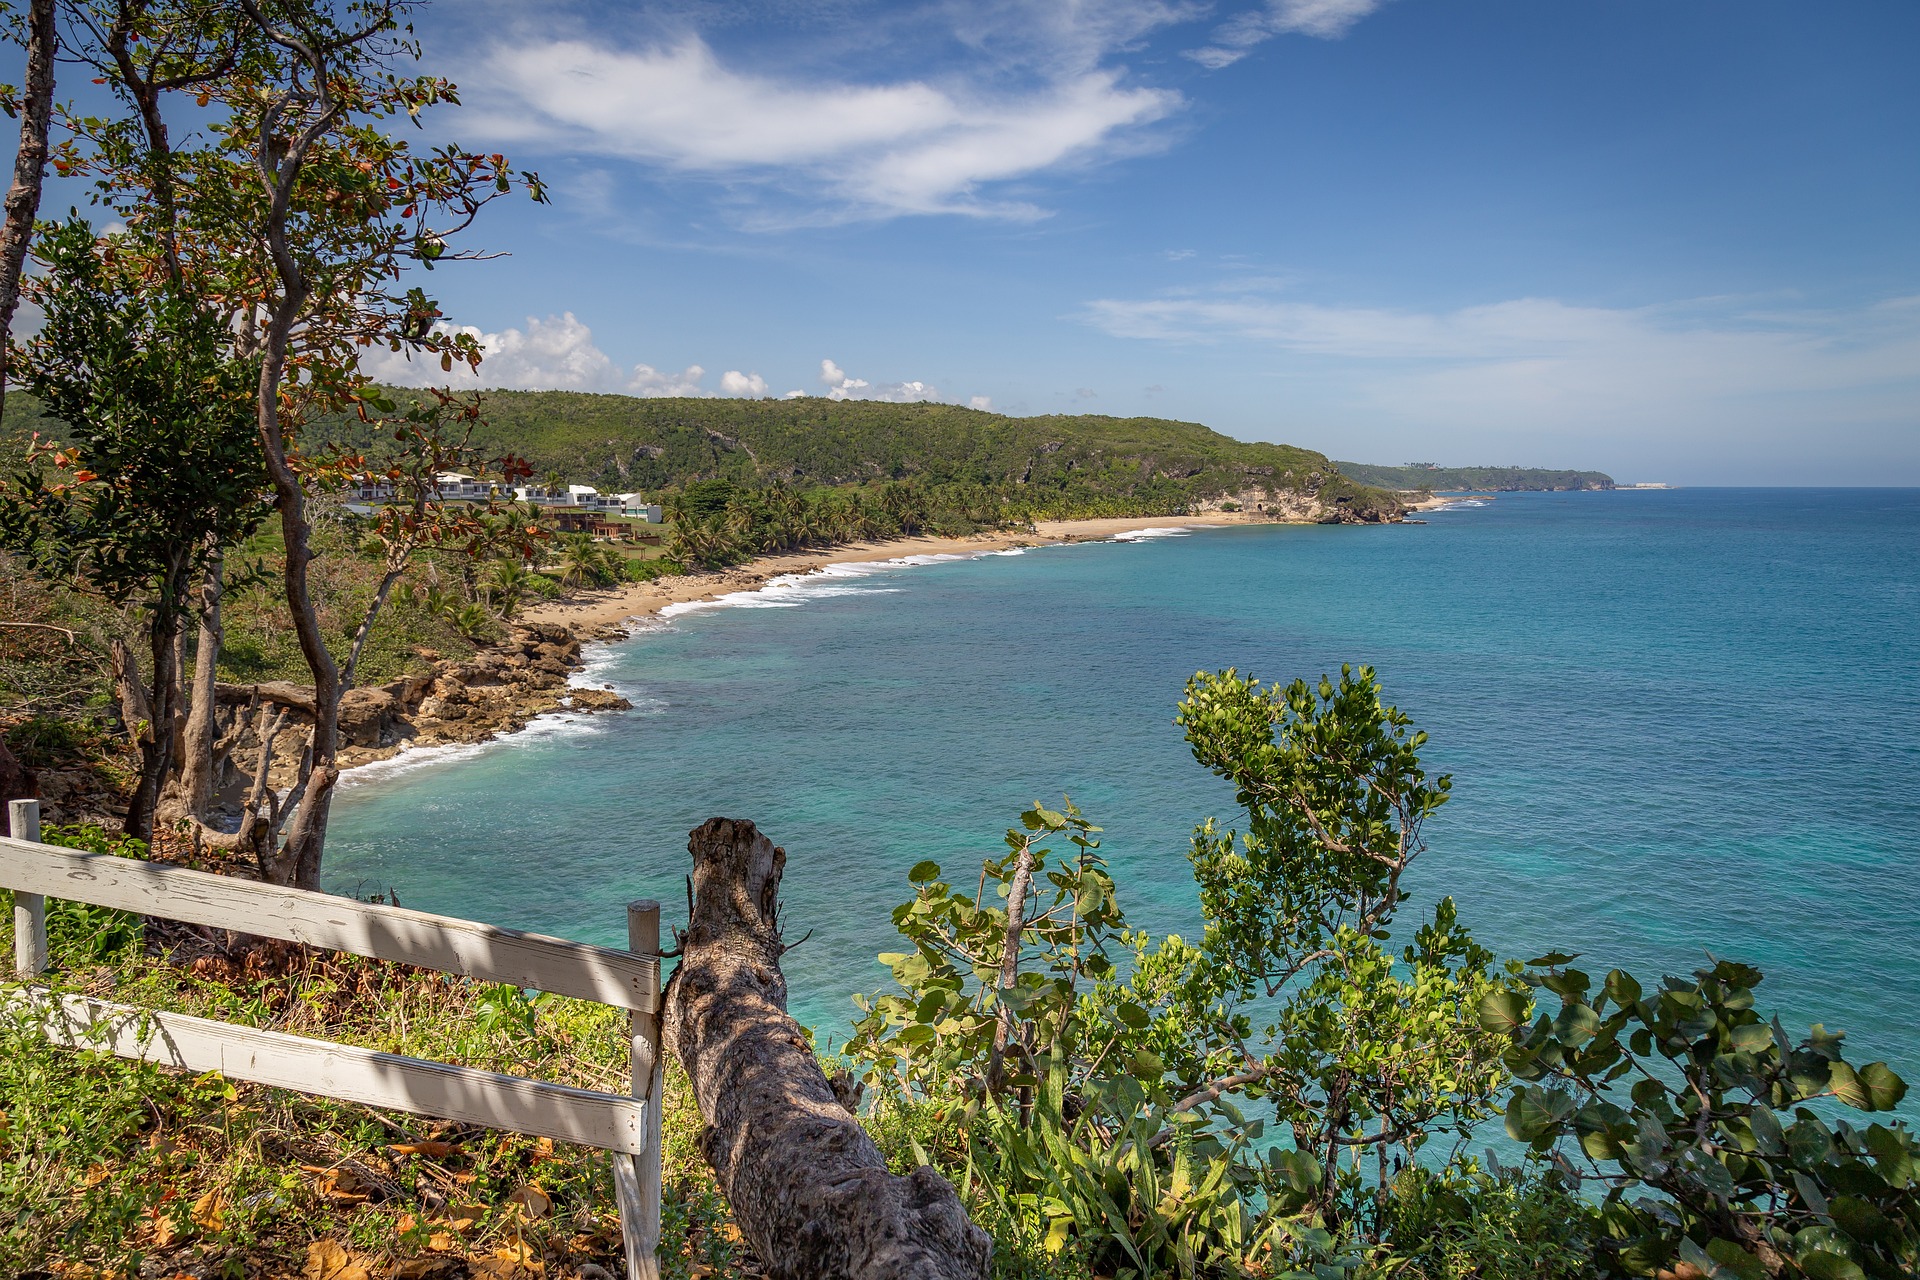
(1678,722)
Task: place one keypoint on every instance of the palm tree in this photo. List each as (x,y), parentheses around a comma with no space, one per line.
(582,561)
(555,484)
(507,585)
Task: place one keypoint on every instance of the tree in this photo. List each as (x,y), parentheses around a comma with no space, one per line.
(298,216)
(161,469)
(1366,1052)
(34,105)
(144,51)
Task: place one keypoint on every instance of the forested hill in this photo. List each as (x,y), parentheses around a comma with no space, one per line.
(1420,475)
(1050,465)
(629,443)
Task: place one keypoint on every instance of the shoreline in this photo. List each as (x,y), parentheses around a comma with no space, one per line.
(593,611)
(464,704)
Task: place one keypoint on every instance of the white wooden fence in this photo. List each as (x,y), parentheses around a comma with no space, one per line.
(626,1126)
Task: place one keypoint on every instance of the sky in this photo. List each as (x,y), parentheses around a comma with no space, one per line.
(1676,240)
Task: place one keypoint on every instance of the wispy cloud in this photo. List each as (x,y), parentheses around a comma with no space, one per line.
(1235,38)
(844,147)
(1545,365)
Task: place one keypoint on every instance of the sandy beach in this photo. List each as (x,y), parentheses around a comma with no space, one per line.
(588,610)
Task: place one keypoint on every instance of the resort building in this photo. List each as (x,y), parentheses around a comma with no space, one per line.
(458,486)
(584,497)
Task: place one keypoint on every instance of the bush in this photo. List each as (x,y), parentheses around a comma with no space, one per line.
(1460,1223)
(1747,1180)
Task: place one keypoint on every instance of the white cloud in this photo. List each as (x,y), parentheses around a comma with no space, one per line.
(982,403)
(554,354)
(908,146)
(841,385)
(1538,365)
(735,383)
(1235,38)
(649,381)
(559,354)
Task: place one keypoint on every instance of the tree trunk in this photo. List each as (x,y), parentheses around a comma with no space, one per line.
(1009,968)
(156,744)
(129,690)
(809,1190)
(29,167)
(197,756)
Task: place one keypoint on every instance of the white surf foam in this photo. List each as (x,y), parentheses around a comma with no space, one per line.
(409,760)
(1141,535)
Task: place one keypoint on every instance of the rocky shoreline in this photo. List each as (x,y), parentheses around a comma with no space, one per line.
(499,690)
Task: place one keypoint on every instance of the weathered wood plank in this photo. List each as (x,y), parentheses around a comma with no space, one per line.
(617,978)
(347,1072)
(637,1181)
(29,909)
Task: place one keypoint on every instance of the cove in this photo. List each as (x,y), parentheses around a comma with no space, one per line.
(1677,722)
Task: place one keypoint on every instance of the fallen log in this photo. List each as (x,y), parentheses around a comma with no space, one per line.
(809,1189)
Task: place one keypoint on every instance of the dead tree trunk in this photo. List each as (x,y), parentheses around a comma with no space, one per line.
(809,1190)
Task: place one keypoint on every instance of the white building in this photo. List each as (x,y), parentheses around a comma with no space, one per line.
(456,486)
(584,497)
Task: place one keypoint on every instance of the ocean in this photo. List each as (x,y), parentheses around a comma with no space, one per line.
(1679,723)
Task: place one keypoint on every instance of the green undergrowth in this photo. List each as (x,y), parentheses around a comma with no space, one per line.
(108,1165)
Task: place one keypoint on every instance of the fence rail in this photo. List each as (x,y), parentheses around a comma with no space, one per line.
(626,1126)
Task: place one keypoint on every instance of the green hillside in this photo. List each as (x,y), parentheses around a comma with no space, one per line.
(628,443)
(1053,465)
(1424,475)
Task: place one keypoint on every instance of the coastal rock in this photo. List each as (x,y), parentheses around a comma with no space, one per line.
(408,690)
(591,700)
(370,718)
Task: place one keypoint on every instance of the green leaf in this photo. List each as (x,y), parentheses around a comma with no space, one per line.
(1577,1024)
(1862,1221)
(1821,1265)
(923,872)
(1504,1011)
(1733,1261)
(1622,988)
(1873,1087)
(1534,1113)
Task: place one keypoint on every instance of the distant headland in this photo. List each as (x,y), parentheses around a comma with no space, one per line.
(1431,477)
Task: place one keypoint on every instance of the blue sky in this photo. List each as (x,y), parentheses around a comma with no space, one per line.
(1675,239)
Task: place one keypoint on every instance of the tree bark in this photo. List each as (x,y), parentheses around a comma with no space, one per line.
(156,744)
(29,168)
(1009,969)
(809,1190)
(197,755)
(129,690)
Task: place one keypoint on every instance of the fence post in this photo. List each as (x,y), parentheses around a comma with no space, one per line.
(29,909)
(636,1179)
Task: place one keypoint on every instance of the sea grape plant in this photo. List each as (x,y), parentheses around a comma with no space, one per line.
(1125,1085)
(1365,1054)
(1710,1128)
(1000,981)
